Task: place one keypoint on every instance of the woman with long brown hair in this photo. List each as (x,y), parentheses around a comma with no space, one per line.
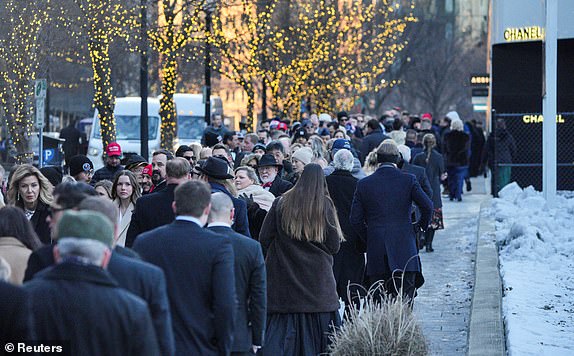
(299,236)
(125,193)
(32,192)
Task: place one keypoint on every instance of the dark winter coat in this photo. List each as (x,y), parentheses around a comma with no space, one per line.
(456,146)
(40,224)
(151,211)
(505,147)
(241,223)
(140,278)
(71,145)
(299,273)
(349,262)
(476,148)
(434,169)
(251,288)
(85,305)
(370,142)
(382,205)
(15,316)
(280,186)
(198,265)
(106,172)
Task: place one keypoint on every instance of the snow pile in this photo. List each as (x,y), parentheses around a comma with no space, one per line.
(536,250)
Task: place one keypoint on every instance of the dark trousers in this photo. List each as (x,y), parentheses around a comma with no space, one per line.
(392,286)
(455,181)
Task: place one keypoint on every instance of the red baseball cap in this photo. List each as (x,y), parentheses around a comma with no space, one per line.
(148,170)
(426,116)
(113,149)
(282,126)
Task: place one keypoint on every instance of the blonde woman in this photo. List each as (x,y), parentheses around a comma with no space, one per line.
(31,191)
(125,192)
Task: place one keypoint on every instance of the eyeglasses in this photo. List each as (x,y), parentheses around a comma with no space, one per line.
(189,158)
(52,210)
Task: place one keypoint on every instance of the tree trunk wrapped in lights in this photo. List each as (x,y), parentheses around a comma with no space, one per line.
(178,22)
(19,62)
(104,99)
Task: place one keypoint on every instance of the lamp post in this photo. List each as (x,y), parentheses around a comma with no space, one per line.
(209,7)
(144,83)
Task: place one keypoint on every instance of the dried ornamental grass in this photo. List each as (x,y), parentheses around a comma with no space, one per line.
(379,328)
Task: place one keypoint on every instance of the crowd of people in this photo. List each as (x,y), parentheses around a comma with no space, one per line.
(240,244)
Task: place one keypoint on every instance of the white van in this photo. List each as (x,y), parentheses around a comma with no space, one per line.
(191,123)
(128,117)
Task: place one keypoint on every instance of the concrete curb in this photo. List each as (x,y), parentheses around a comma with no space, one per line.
(486,332)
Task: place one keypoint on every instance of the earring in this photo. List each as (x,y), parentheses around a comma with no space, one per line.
(18,198)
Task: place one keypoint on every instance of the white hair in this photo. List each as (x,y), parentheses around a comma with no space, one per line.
(344,160)
(88,250)
(456,125)
(405,152)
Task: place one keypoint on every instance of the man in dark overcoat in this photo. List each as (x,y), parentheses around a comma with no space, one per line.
(198,265)
(250,279)
(382,206)
(155,209)
(79,301)
(349,262)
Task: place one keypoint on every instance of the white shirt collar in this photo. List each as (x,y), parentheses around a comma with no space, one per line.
(189,218)
(218,223)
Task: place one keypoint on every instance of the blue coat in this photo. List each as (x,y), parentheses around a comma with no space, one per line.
(251,286)
(382,205)
(241,223)
(198,266)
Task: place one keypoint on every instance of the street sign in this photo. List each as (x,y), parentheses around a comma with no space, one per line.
(40,88)
(49,154)
(479,107)
(481,100)
(40,108)
(480,92)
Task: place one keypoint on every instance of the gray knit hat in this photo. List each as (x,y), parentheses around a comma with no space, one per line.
(86,224)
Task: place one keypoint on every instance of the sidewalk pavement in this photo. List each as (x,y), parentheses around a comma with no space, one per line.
(444,302)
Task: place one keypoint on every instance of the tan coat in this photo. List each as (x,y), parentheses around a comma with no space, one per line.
(16,254)
(124,224)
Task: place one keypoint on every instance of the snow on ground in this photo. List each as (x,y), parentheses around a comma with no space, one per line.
(536,249)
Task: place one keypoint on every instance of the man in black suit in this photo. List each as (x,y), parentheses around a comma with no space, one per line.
(198,265)
(250,278)
(417,171)
(79,301)
(155,210)
(159,173)
(140,278)
(268,170)
(15,315)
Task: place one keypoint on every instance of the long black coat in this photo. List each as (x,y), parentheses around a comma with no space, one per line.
(85,305)
(434,169)
(349,262)
(251,288)
(40,224)
(456,148)
(15,314)
(198,266)
(151,211)
(142,279)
